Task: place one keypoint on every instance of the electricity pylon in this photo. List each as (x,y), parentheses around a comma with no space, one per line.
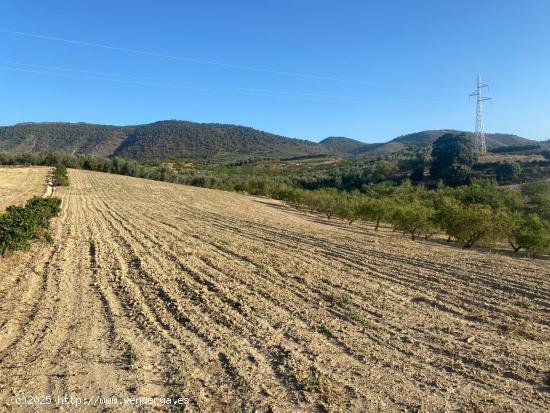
(480,129)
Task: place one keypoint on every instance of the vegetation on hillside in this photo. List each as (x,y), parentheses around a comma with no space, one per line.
(181,139)
(394,189)
(101,140)
(159,140)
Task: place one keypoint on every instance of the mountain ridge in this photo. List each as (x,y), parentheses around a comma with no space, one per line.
(185,139)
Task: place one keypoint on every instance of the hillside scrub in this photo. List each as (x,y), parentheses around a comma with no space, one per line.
(20,225)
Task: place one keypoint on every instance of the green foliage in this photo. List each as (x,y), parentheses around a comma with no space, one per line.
(159,140)
(348,206)
(470,223)
(20,225)
(414,217)
(538,198)
(531,233)
(546,154)
(130,355)
(452,157)
(515,148)
(376,210)
(508,171)
(478,213)
(165,139)
(60,177)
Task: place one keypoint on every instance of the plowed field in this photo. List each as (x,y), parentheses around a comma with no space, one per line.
(241,303)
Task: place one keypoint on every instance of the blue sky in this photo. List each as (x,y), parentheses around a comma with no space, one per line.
(370,70)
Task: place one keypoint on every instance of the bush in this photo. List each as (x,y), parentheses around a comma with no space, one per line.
(20,225)
(508,171)
(60,177)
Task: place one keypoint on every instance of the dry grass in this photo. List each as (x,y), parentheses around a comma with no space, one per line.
(241,303)
(19,184)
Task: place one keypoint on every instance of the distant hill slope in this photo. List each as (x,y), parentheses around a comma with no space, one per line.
(62,137)
(342,144)
(192,140)
(205,140)
(152,141)
(420,139)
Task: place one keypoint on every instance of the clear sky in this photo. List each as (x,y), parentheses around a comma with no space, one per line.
(370,70)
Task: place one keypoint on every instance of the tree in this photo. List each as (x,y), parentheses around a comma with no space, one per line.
(417,174)
(546,154)
(348,206)
(538,197)
(470,224)
(375,209)
(383,170)
(531,233)
(415,218)
(508,171)
(452,156)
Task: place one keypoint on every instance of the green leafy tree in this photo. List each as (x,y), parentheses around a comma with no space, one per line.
(415,218)
(470,224)
(349,206)
(452,157)
(376,210)
(529,232)
(508,171)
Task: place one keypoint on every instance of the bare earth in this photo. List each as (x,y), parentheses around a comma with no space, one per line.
(239,303)
(19,184)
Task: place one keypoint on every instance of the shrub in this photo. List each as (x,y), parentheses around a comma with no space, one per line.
(60,177)
(508,171)
(20,225)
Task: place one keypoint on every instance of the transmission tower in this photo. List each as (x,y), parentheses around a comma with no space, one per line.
(480,130)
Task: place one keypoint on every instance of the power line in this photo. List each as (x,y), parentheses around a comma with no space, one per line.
(128,79)
(220,64)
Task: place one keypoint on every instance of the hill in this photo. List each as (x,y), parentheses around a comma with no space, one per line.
(420,139)
(152,141)
(342,144)
(77,138)
(207,140)
(182,139)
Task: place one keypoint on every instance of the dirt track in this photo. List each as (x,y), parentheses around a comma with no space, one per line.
(19,184)
(238,302)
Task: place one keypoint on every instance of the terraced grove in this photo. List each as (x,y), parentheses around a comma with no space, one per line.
(19,184)
(242,303)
